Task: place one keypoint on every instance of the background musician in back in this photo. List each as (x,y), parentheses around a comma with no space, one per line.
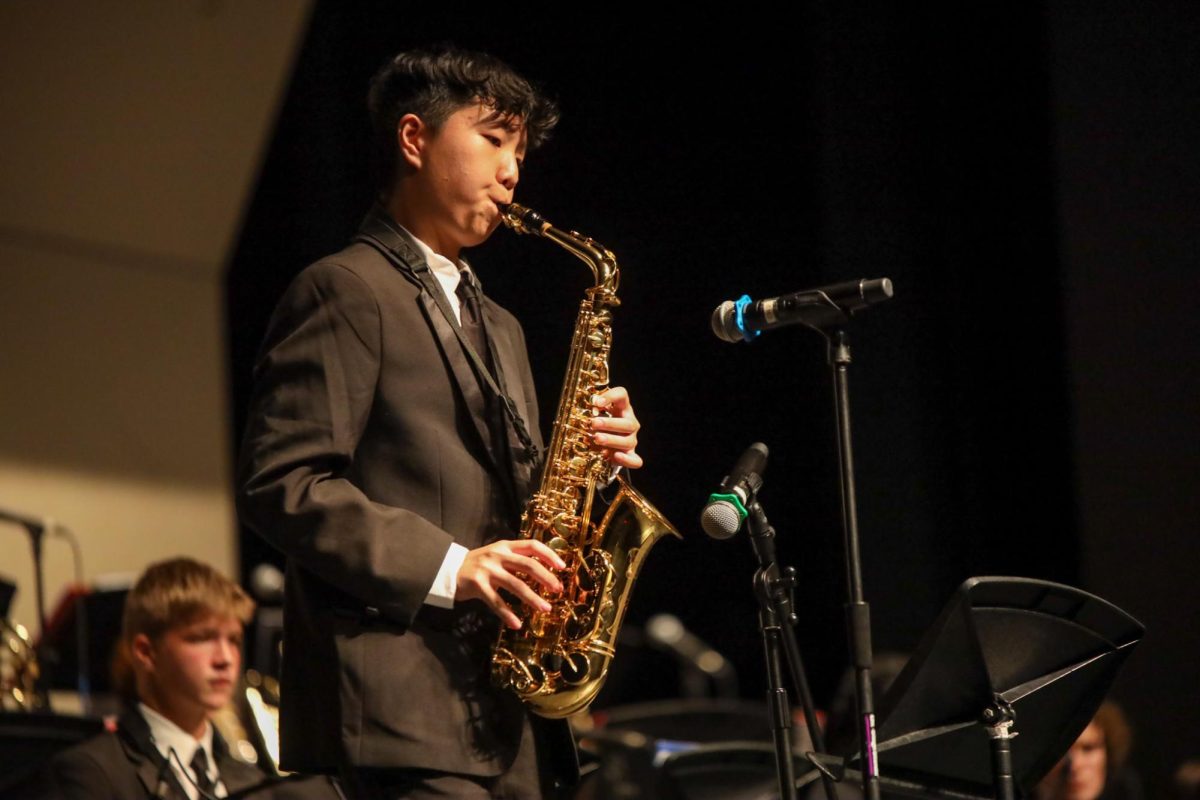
(180,658)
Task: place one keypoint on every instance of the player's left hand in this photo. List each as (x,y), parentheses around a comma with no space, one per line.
(616,427)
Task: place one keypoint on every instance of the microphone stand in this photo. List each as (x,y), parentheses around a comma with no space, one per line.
(858,612)
(36,535)
(828,311)
(773,587)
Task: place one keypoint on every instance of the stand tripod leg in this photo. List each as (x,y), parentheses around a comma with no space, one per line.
(780,711)
(1001,718)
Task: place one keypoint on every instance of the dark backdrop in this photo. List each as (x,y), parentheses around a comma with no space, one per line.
(729,154)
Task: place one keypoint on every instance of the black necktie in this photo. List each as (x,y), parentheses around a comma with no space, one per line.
(200,767)
(471,314)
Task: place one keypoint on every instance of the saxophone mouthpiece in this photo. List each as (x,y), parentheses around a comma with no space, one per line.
(522,219)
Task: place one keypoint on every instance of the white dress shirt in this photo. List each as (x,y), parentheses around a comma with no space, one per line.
(441,594)
(168,736)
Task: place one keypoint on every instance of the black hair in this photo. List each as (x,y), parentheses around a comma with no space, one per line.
(435,82)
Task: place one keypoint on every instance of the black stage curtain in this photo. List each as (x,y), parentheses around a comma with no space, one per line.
(739,153)
(718,156)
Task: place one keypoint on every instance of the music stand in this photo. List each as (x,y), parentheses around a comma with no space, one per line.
(1008,657)
(102,606)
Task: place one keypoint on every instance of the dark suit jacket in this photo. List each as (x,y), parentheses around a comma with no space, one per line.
(126,766)
(368,451)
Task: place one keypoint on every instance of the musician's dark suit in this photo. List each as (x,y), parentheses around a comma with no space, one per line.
(372,446)
(126,766)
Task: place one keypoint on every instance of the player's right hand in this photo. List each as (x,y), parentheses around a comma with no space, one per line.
(485,570)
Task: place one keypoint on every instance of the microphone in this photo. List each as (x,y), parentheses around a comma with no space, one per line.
(266,584)
(744,319)
(668,632)
(726,508)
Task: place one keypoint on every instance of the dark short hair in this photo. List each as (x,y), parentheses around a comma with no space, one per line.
(435,82)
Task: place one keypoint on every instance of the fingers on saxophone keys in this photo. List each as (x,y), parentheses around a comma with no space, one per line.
(532,547)
(614,399)
(501,608)
(531,568)
(523,592)
(618,425)
(610,444)
(629,460)
(620,449)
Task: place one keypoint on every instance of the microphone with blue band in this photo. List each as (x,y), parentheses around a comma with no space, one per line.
(742,320)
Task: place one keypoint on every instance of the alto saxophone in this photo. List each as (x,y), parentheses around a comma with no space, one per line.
(558,660)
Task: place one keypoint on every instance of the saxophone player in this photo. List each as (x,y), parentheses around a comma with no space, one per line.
(392,440)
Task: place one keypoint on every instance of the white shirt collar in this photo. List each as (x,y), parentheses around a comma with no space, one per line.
(168,736)
(448,273)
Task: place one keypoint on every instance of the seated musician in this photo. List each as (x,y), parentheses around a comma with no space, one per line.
(179,661)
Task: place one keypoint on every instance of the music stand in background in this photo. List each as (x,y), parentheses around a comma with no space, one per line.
(103,604)
(1008,657)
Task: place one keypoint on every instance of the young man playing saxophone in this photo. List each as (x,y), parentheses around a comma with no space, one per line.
(390,450)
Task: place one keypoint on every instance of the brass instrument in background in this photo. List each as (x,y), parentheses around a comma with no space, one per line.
(19,670)
(249,723)
(558,660)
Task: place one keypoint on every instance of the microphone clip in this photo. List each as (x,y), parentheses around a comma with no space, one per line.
(739,309)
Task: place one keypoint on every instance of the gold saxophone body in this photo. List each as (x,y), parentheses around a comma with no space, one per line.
(558,660)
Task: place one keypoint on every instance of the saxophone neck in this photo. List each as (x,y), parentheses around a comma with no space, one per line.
(600,259)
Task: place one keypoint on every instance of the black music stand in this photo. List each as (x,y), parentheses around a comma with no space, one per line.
(102,607)
(1008,657)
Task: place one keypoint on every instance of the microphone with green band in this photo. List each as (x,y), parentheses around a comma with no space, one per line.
(726,508)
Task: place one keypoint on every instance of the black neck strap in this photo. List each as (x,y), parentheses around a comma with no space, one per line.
(405,257)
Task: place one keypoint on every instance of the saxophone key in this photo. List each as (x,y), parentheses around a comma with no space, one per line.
(581,622)
(575,669)
(552,663)
(533,678)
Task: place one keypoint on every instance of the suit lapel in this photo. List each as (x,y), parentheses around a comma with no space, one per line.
(464,374)
(508,373)
(134,734)
(378,231)
(506,357)
(151,767)
(236,775)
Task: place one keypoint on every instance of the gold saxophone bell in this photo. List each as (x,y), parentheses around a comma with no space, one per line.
(557,660)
